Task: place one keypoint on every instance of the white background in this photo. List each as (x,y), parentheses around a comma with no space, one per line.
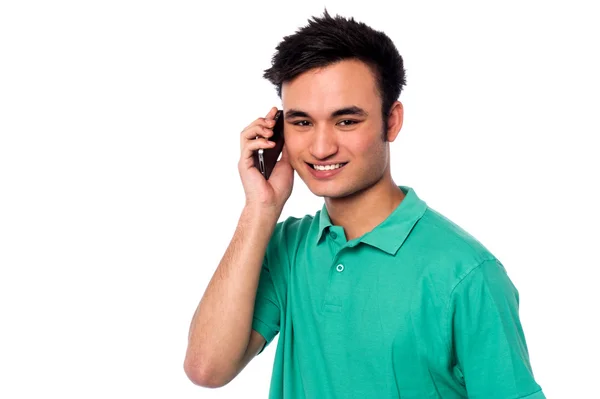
(119,192)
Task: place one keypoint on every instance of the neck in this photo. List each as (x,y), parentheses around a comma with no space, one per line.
(361,212)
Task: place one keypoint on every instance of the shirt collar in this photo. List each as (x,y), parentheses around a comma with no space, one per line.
(390,234)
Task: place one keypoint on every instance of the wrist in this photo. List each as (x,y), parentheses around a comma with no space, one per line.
(261,213)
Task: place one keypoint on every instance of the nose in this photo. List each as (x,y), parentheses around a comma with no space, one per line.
(323,143)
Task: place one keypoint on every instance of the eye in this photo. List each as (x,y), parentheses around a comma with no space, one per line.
(347,122)
(301,123)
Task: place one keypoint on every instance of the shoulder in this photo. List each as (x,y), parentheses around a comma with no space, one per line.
(448,247)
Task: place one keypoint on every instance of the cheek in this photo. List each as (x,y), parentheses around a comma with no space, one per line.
(295,144)
(294,148)
(367,146)
(367,141)
(372,153)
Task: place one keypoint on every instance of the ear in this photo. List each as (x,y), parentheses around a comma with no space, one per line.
(394,121)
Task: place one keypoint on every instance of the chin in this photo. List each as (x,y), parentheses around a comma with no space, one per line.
(331,189)
(339,188)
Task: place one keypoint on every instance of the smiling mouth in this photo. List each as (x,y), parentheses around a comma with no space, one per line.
(327,167)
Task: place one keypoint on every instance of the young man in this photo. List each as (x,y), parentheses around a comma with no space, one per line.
(377,295)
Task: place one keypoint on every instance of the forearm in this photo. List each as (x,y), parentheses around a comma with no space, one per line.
(221,326)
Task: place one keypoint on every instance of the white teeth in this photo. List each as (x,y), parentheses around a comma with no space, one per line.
(328,167)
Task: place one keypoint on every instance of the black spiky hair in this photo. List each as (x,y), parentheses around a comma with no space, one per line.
(326,40)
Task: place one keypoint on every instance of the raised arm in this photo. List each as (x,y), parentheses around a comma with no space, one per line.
(221,341)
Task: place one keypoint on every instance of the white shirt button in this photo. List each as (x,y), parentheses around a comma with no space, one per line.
(340,268)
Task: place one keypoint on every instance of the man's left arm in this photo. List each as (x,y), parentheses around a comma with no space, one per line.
(488,341)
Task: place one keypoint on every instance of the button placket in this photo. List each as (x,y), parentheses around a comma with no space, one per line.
(338,281)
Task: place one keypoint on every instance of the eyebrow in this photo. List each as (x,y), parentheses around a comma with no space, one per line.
(352,110)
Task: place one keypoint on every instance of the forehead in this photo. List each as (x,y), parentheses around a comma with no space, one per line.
(322,90)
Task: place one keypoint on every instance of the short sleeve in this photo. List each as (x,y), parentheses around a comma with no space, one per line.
(266,307)
(492,359)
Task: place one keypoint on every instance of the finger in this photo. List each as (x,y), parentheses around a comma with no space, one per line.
(272,112)
(255,145)
(254,131)
(260,122)
(268,119)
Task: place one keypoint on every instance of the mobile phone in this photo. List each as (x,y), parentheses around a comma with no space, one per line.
(265,159)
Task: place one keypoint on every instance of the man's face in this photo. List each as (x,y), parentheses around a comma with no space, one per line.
(334,129)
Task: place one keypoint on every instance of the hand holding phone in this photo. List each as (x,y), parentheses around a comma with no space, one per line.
(255,168)
(265,159)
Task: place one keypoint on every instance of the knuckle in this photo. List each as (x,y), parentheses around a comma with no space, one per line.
(258,122)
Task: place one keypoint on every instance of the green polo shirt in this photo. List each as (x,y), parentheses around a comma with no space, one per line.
(416,308)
